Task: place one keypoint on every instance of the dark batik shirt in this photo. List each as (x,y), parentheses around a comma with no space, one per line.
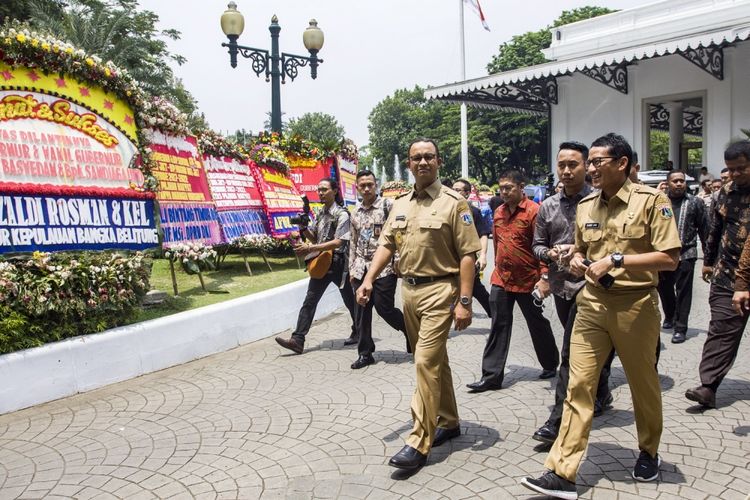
(692,221)
(556,225)
(516,267)
(321,228)
(730,222)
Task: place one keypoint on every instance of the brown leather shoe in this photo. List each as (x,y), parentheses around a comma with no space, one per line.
(703,395)
(290,344)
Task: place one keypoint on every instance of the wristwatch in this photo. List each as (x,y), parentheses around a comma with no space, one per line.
(544,276)
(617,259)
(465,300)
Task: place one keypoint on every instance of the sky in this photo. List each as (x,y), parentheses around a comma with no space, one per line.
(371,49)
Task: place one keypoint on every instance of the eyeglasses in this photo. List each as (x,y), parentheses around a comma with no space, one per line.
(506,187)
(428,157)
(598,162)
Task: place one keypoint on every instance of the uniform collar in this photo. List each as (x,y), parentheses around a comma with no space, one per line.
(375,204)
(433,190)
(581,194)
(623,193)
(523,205)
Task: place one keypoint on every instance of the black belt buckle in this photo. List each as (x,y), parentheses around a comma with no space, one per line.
(411,280)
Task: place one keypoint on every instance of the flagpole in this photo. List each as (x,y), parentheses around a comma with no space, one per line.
(464,123)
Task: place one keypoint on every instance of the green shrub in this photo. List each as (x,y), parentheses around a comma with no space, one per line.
(49,297)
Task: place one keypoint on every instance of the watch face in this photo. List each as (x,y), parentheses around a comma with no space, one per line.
(465,301)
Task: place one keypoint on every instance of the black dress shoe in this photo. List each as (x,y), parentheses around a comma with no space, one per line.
(442,435)
(408,458)
(484,385)
(667,325)
(362,361)
(351,341)
(546,433)
(290,344)
(703,395)
(601,404)
(547,374)
(678,337)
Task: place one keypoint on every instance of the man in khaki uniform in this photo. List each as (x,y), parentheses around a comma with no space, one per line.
(624,233)
(432,229)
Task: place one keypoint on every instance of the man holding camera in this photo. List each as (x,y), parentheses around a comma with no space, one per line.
(516,271)
(329,231)
(367,223)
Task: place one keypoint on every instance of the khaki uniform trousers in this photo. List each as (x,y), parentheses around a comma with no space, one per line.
(629,321)
(428,314)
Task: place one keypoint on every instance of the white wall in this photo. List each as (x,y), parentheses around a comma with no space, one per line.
(53,371)
(589,109)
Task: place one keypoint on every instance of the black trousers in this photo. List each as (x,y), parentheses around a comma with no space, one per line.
(723,339)
(382,298)
(315,290)
(566,311)
(676,294)
(480,293)
(498,343)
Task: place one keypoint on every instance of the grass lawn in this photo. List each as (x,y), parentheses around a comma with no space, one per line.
(228,282)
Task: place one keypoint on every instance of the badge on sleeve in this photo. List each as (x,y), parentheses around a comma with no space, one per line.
(664,207)
(466,218)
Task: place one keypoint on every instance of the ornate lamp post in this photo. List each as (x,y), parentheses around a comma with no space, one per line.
(277,66)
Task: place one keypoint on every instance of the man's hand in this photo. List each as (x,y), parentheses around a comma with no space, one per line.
(577,267)
(304,249)
(599,268)
(363,292)
(741,302)
(706,273)
(482,262)
(461,316)
(543,287)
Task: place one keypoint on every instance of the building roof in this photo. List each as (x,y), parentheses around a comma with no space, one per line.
(602,48)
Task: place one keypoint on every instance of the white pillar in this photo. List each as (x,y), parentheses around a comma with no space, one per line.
(675,132)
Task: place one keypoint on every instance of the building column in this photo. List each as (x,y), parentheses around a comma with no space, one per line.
(675,132)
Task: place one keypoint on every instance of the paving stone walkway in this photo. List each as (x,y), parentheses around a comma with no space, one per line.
(256,422)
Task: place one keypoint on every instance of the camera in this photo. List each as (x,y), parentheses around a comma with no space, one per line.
(302,219)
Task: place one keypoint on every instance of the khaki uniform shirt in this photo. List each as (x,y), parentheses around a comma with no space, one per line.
(431,230)
(638,219)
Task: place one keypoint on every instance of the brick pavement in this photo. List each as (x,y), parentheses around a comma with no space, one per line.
(256,422)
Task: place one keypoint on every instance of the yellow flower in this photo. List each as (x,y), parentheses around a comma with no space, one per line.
(69,50)
(21,37)
(45,46)
(89,61)
(34,42)
(55,48)
(107,72)
(7,41)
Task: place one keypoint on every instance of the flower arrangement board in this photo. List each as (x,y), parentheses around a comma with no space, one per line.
(307,173)
(189,223)
(281,199)
(348,187)
(50,218)
(178,166)
(47,139)
(237,223)
(233,186)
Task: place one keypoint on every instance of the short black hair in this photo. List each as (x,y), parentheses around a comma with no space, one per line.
(331,182)
(575,146)
(516,176)
(617,146)
(423,139)
(466,183)
(704,168)
(365,173)
(635,158)
(724,170)
(737,149)
(675,172)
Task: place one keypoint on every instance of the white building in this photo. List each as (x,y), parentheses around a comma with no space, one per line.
(676,65)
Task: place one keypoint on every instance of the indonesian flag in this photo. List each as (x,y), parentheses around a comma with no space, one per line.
(478,9)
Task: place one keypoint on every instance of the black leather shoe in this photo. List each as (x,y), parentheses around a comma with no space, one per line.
(546,433)
(442,435)
(667,325)
(290,344)
(547,374)
(408,458)
(484,385)
(703,395)
(351,341)
(362,361)
(678,337)
(601,404)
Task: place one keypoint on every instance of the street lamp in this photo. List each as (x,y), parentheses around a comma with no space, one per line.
(277,66)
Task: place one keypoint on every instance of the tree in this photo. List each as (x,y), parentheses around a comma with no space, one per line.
(319,128)
(118,32)
(21,9)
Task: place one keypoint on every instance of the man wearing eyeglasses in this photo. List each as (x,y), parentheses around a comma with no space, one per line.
(432,229)
(730,223)
(626,231)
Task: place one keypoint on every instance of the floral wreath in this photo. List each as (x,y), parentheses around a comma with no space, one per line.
(266,155)
(195,257)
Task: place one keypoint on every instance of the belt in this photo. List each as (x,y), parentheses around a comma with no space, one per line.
(421,280)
